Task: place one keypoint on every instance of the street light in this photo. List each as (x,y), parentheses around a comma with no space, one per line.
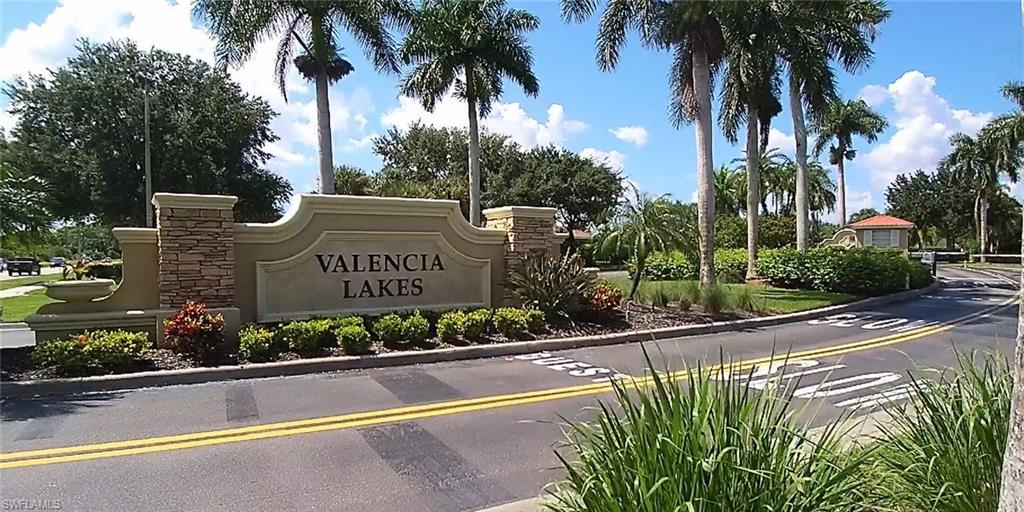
(149,173)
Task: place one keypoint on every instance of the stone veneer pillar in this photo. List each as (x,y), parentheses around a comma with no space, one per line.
(195,238)
(529,231)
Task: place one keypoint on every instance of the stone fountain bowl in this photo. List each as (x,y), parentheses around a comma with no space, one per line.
(79,291)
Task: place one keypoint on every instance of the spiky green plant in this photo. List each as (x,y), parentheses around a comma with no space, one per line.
(942,451)
(701,445)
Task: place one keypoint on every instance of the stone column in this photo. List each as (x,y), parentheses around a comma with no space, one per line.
(529,231)
(195,237)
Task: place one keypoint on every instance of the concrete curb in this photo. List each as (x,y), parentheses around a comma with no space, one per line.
(18,389)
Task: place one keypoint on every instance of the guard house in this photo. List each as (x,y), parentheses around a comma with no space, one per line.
(878,231)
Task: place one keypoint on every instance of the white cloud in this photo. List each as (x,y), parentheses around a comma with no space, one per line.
(7,121)
(168,25)
(873,95)
(636,135)
(508,119)
(785,142)
(613,158)
(855,201)
(359,144)
(923,121)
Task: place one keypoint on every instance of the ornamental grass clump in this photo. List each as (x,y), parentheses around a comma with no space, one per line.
(942,451)
(691,443)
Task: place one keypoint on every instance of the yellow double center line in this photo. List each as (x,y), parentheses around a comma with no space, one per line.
(416,412)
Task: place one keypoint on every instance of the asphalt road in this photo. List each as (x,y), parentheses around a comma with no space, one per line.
(441,437)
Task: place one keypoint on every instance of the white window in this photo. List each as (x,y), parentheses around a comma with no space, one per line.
(883,238)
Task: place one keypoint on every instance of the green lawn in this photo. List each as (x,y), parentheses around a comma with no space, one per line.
(768,298)
(27,281)
(17,308)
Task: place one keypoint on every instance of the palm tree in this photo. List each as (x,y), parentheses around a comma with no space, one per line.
(816,34)
(981,161)
(240,25)
(692,31)
(771,170)
(751,95)
(643,225)
(841,122)
(821,190)
(468,46)
(729,190)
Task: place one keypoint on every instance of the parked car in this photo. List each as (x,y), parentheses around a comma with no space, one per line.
(57,262)
(24,266)
(3,265)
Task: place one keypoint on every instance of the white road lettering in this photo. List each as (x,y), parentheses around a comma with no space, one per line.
(829,388)
(886,397)
(831,318)
(916,324)
(775,380)
(882,324)
(575,368)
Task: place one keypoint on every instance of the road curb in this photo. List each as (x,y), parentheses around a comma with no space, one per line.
(19,389)
(992,274)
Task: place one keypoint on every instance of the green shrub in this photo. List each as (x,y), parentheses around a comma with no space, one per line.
(89,352)
(775,231)
(920,275)
(510,322)
(451,325)
(354,339)
(476,323)
(534,320)
(256,344)
(689,292)
(307,336)
(863,271)
(347,321)
(731,265)
(66,356)
(713,299)
(730,232)
(671,266)
(416,328)
(389,328)
(687,442)
(943,450)
(557,286)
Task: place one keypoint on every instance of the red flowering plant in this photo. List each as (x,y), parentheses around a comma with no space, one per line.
(604,300)
(193,331)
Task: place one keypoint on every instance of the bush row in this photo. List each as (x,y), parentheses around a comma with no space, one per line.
(92,352)
(354,334)
(862,271)
(865,271)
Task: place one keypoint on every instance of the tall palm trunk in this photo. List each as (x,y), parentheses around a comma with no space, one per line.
(1011,496)
(323,134)
(474,153)
(983,234)
(800,134)
(753,189)
(705,178)
(841,170)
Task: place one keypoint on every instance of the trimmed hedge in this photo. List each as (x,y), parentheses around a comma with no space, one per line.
(863,271)
(730,265)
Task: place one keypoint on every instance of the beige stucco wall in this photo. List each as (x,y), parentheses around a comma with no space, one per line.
(348,216)
(138,288)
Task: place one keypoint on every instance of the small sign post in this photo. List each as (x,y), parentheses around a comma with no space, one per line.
(928,258)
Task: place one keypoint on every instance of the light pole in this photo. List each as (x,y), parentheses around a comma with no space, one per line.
(149,172)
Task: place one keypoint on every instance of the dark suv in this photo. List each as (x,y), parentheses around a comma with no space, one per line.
(23,266)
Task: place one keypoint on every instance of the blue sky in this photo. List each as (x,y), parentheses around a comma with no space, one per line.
(937,70)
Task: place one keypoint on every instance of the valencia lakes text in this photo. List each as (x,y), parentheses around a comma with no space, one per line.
(380,287)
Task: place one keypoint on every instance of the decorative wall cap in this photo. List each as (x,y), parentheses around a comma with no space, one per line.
(534,212)
(135,235)
(194,201)
(308,205)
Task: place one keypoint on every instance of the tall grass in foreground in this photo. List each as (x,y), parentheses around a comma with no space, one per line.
(696,444)
(943,451)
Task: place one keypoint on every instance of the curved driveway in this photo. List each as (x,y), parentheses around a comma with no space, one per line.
(446,437)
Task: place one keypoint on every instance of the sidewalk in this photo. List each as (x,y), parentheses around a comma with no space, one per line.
(19,290)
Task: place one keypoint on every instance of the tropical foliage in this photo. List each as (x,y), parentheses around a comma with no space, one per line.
(468,48)
(840,123)
(307,35)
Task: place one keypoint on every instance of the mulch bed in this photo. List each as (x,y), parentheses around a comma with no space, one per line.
(16,363)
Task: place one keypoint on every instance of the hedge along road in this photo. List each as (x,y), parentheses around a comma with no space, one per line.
(448,436)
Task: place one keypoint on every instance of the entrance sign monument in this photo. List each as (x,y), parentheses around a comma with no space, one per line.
(329,256)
